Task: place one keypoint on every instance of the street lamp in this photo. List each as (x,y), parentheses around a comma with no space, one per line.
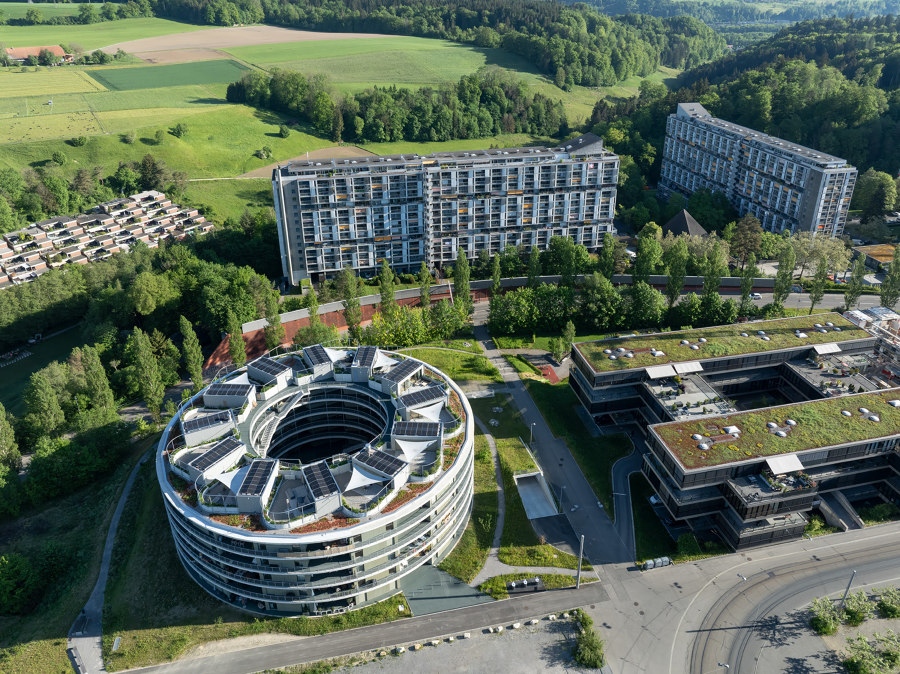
(531,433)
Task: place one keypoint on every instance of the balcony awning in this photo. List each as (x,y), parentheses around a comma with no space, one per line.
(787,463)
(823,349)
(234,478)
(361,478)
(660,371)
(686,368)
(413,448)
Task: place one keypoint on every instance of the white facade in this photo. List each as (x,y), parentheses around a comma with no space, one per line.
(785,185)
(411,208)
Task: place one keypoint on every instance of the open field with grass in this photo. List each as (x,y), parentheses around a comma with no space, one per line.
(229,198)
(458,365)
(595,454)
(519,545)
(470,553)
(160,613)
(93,36)
(45,83)
(17,10)
(720,341)
(222,71)
(72,528)
(820,423)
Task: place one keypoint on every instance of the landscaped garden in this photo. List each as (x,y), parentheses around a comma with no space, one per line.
(719,341)
(818,423)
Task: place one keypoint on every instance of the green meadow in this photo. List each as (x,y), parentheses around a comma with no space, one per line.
(92,36)
(180,74)
(17,10)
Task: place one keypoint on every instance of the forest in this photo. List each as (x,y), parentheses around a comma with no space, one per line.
(483,104)
(572,44)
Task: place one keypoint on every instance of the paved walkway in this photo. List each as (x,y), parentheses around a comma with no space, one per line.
(602,543)
(85,634)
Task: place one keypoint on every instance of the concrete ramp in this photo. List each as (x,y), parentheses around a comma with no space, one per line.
(535,496)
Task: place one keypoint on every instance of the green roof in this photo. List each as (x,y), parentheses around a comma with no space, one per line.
(723,340)
(820,423)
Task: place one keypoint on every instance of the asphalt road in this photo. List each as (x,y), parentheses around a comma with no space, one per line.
(801,301)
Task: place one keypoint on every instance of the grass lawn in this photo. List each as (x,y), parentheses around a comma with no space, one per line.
(458,365)
(721,341)
(538,341)
(462,342)
(595,455)
(44,82)
(471,551)
(229,198)
(879,514)
(92,36)
(77,523)
(519,545)
(160,612)
(222,71)
(15,377)
(522,366)
(496,586)
(820,423)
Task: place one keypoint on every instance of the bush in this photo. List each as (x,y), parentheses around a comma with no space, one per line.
(129,137)
(883,512)
(59,158)
(79,141)
(159,136)
(858,609)
(889,602)
(179,130)
(588,646)
(284,131)
(825,617)
(17,584)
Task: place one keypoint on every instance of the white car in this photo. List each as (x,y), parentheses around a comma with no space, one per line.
(755,296)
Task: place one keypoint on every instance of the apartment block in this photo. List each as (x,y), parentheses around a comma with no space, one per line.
(408,209)
(787,186)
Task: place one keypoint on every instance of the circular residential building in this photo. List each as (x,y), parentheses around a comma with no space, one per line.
(312,482)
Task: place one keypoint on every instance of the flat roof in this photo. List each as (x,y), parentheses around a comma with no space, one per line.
(723,340)
(819,423)
(882,252)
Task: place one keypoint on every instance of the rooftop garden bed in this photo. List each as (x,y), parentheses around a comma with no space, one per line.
(326,523)
(819,423)
(726,340)
(248,522)
(406,495)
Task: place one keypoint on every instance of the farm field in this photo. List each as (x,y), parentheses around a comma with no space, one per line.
(17,10)
(43,82)
(92,36)
(222,71)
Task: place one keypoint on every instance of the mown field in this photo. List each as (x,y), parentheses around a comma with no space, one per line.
(17,10)
(179,74)
(92,36)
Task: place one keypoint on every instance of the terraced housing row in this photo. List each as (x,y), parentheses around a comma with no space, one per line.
(112,227)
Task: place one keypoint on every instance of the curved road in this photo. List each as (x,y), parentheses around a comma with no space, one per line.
(749,624)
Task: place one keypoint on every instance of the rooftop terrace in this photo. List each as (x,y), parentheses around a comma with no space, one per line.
(716,342)
(769,431)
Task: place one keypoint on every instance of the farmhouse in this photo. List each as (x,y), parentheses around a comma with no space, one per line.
(22,54)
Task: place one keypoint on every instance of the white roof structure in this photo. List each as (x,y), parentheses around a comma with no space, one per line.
(686,368)
(361,478)
(234,478)
(431,412)
(413,448)
(823,349)
(787,463)
(660,371)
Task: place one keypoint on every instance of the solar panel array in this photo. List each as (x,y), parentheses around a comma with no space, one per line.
(365,356)
(401,371)
(256,478)
(380,461)
(215,453)
(205,421)
(269,366)
(316,354)
(320,480)
(226,389)
(425,395)
(420,429)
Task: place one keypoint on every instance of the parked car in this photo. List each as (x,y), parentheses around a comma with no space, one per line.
(755,296)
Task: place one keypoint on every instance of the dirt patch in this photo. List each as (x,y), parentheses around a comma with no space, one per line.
(204,43)
(237,644)
(335,152)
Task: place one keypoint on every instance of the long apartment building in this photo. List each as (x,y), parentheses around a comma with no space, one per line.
(787,186)
(408,209)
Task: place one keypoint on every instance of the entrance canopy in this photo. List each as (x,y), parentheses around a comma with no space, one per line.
(788,463)
(660,371)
